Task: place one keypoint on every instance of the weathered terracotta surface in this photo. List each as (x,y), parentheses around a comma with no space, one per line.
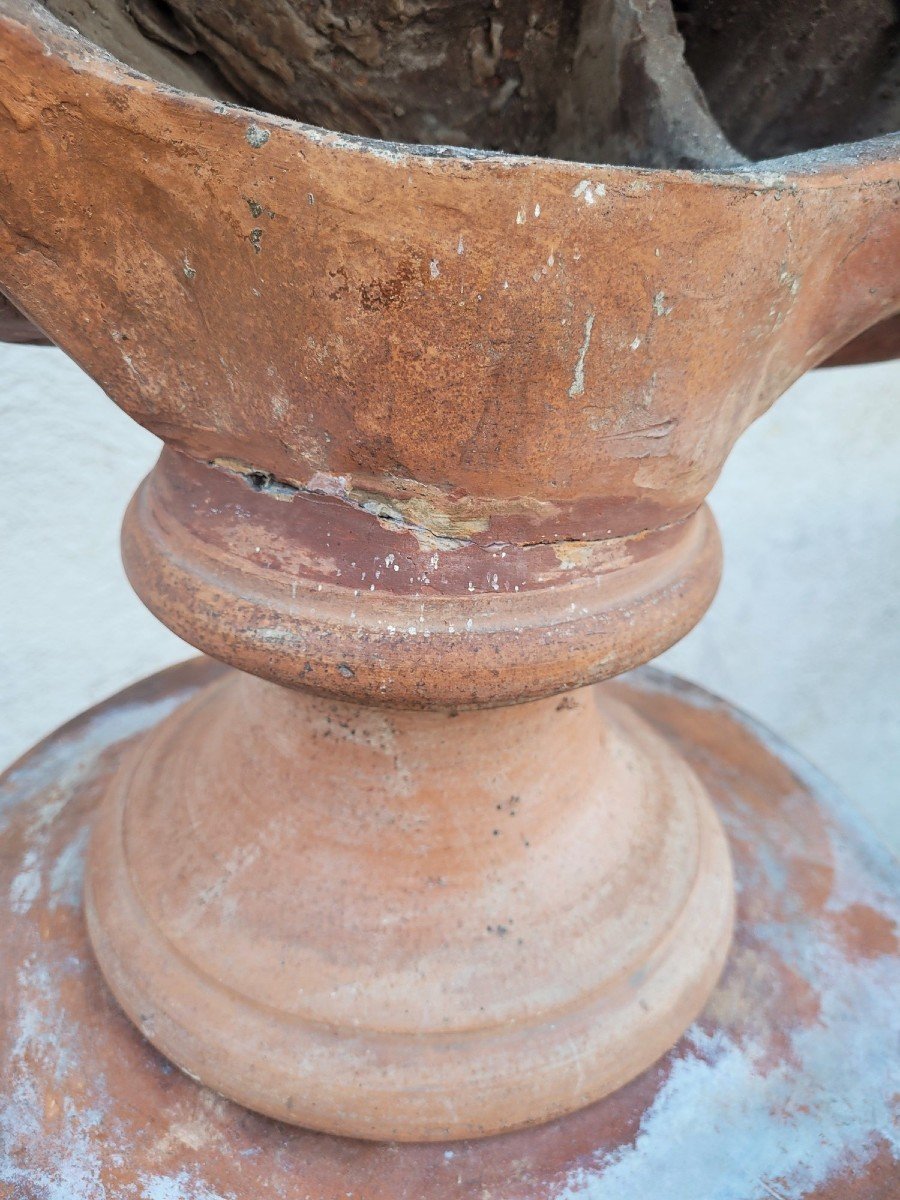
(310,590)
(604,334)
(408,925)
(439,430)
(783,1087)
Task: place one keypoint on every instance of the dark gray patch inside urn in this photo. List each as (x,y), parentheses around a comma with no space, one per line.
(664,83)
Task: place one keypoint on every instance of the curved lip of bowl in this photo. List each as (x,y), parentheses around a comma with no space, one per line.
(764,174)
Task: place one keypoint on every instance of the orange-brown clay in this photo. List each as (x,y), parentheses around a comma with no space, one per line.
(408,925)
(785,1080)
(440,426)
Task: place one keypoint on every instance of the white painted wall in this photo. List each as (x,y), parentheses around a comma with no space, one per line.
(805,632)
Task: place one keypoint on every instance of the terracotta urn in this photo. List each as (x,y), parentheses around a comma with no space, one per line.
(439,427)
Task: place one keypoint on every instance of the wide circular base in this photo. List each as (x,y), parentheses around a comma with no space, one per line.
(408,925)
(783,1087)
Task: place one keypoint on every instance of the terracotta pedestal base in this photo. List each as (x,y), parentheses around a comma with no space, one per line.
(412,925)
(784,1086)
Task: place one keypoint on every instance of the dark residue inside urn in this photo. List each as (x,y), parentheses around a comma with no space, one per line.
(695,83)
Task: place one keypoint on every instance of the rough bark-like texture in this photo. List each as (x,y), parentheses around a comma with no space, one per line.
(788,75)
(630,97)
(600,80)
(463,72)
(158,48)
(594,80)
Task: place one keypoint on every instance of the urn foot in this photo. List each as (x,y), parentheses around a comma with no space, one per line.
(405,925)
